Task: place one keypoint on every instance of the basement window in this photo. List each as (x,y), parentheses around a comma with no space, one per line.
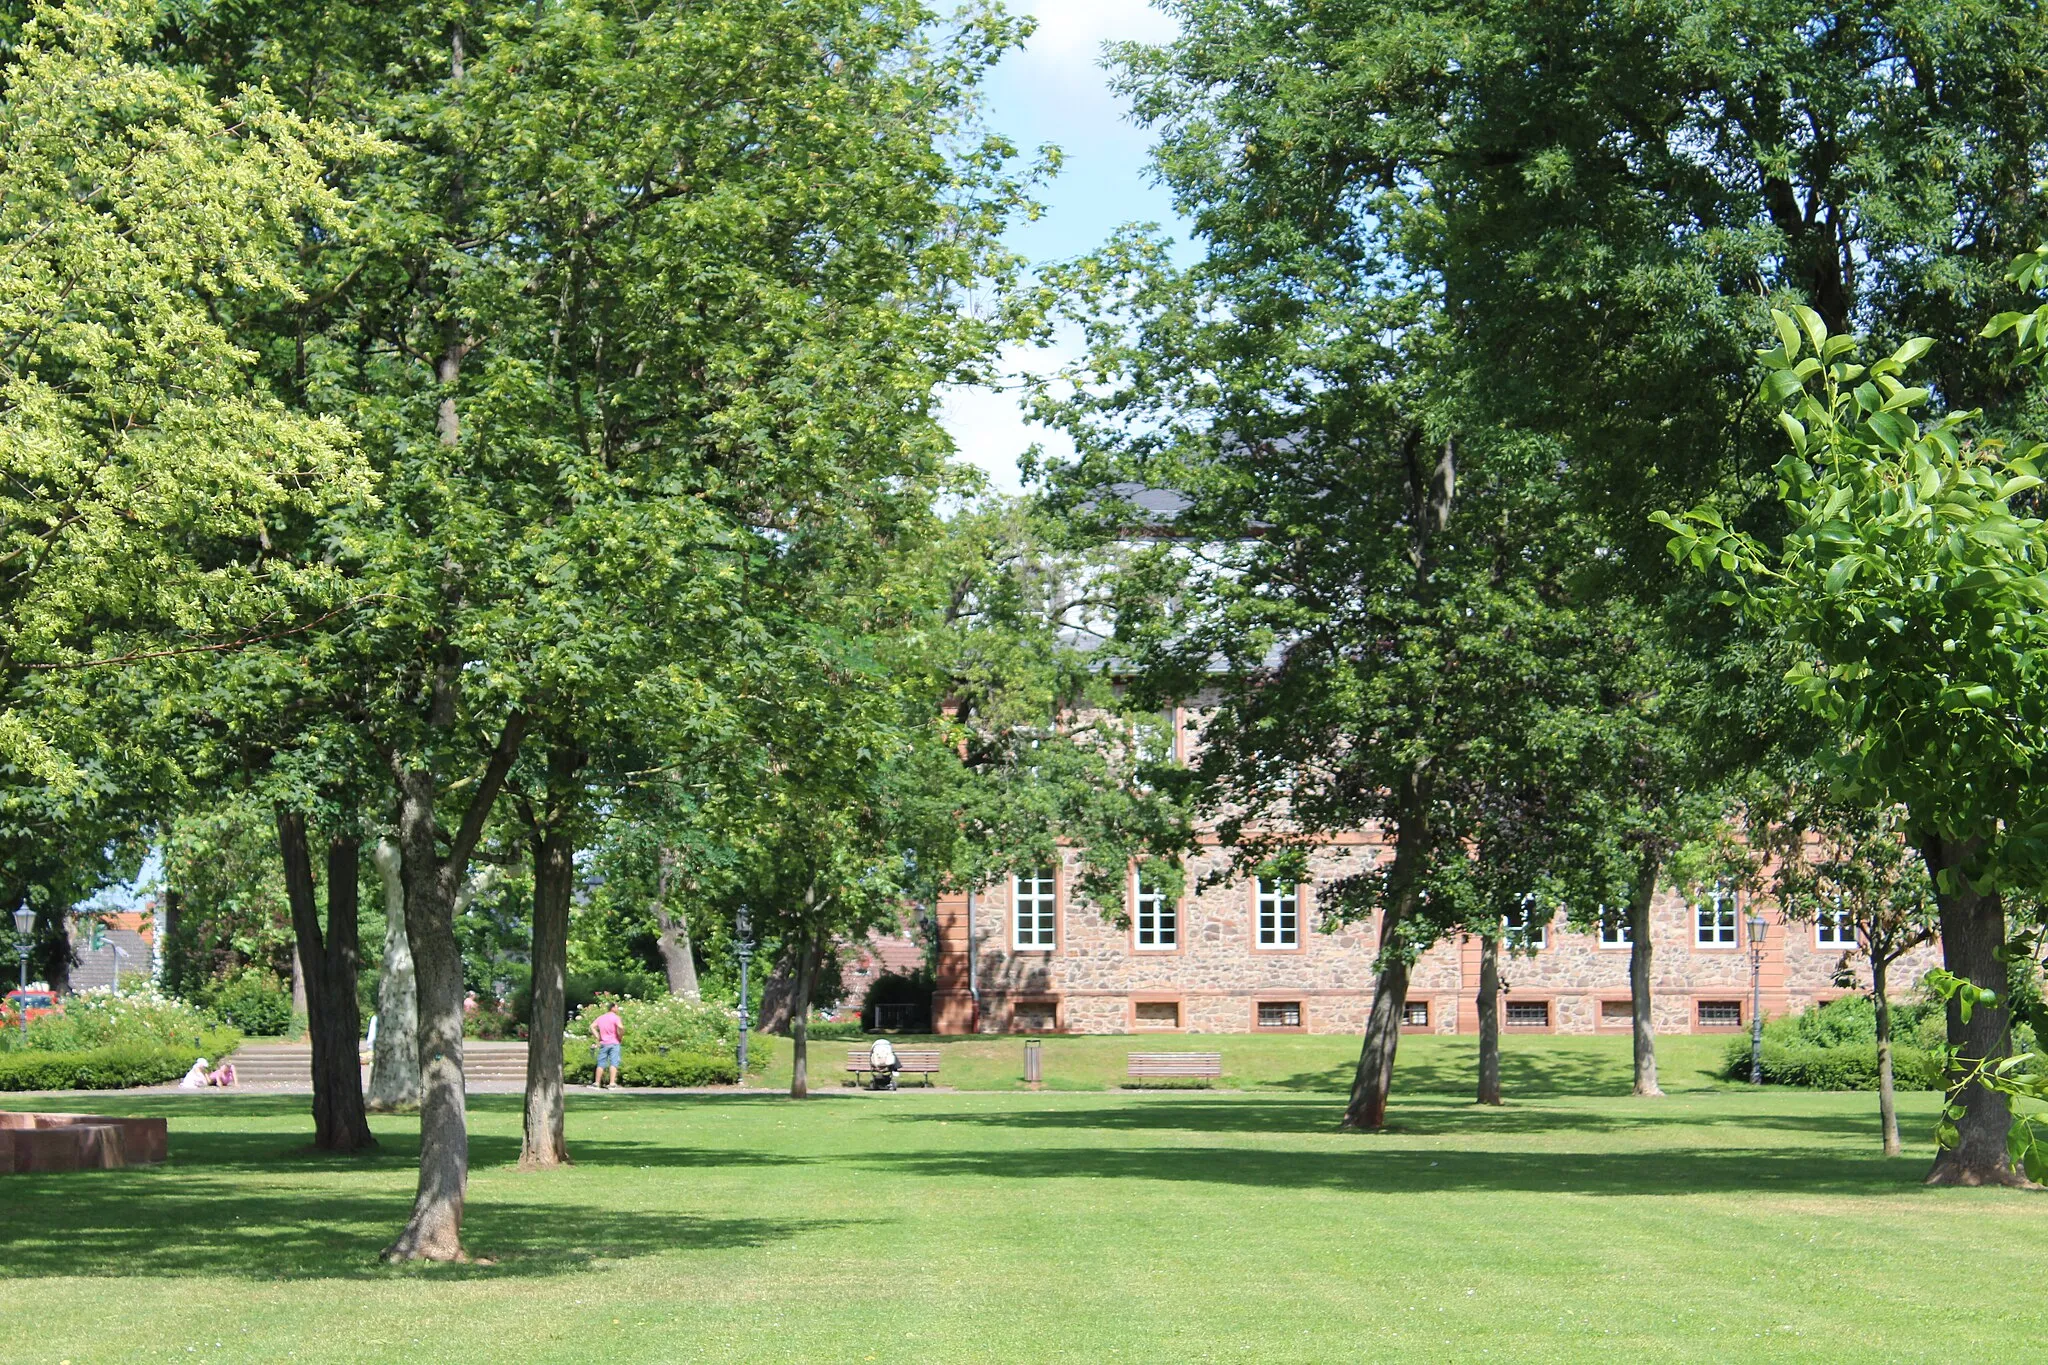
(1720,1014)
(1528,1014)
(1415,1014)
(1279,1014)
(1158,1013)
(1617,1014)
(1035,1016)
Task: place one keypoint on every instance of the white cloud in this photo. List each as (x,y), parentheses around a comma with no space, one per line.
(990,428)
(1055,90)
(1070,30)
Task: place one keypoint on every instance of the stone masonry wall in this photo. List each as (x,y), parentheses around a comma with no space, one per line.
(1095,978)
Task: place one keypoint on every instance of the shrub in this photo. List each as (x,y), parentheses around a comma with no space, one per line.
(100,1018)
(1847,1067)
(831,1031)
(582,989)
(579,1067)
(668,1023)
(109,1068)
(254,1002)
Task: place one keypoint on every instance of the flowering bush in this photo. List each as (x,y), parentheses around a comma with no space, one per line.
(101,1018)
(663,1025)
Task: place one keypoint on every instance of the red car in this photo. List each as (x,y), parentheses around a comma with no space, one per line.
(35,1001)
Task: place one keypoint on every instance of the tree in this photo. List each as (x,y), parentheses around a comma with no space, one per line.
(330,961)
(1911,587)
(608,333)
(1855,868)
(395,1060)
(144,460)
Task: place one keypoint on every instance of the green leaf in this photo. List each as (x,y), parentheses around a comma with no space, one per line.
(1795,429)
(1816,330)
(1912,351)
(1788,334)
(1782,384)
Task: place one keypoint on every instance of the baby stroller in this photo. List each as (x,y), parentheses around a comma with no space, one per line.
(882,1062)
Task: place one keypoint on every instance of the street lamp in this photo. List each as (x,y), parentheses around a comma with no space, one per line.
(1756,996)
(24,926)
(745,943)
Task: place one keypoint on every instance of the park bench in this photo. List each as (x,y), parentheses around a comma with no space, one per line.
(911,1061)
(1176,1066)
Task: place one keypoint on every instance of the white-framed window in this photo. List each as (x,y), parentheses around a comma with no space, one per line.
(1415,1014)
(1835,929)
(1154,918)
(1528,925)
(1035,909)
(1714,921)
(1614,929)
(1279,914)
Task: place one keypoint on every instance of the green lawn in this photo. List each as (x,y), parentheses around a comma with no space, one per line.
(1716,1224)
(1429,1063)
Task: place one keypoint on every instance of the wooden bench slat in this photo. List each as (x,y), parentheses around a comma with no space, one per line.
(1174,1065)
(922,1061)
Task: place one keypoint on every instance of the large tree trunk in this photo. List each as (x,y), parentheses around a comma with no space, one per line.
(1643,1023)
(778,992)
(673,938)
(1887,1107)
(545,1142)
(395,1062)
(1489,1019)
(1375,1076)
(328,965)
(173,948)
(434,1232)
(56,953)
(800,1018)
(1972,933)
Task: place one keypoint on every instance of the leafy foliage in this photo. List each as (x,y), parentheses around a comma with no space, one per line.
(1912,582)
(144,461)
(253,1001)
(665,1023)
(101,1018)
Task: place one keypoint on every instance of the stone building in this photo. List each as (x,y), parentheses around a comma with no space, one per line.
(1032,955)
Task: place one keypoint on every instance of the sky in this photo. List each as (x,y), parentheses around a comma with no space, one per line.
(1055,91)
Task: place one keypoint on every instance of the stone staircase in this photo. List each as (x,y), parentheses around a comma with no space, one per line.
(289,1066)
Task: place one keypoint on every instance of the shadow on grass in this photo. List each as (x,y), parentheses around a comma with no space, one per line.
(1422,1115)
(1380,1170)
(123,1225)
(1550,1074)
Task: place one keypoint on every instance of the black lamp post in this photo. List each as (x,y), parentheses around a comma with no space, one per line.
(745,943)
(1756,996)
(24,926)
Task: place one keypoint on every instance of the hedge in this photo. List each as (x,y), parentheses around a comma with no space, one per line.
(1832,1068)
(579,1067)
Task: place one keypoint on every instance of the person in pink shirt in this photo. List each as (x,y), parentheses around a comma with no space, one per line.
(605,1028)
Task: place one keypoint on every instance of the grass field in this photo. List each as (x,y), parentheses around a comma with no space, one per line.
(1429,1063)
(1719,1223)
